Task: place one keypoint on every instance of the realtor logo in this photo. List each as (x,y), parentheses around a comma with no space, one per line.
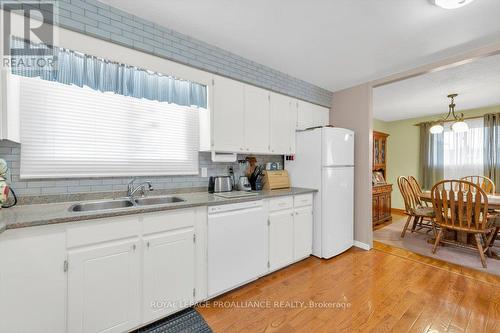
(28,34)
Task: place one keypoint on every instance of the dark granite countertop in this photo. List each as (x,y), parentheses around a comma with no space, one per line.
(51,213)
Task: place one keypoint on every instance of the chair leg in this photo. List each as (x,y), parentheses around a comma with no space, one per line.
(487,242)
(434,229)
(406,226)
(415,222)
(480,249)
(438,239)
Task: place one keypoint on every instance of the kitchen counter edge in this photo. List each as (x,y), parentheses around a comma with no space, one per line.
(33,215)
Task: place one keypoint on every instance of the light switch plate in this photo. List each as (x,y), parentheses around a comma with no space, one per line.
(204,172)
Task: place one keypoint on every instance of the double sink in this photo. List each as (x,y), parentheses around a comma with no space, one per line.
(124,203)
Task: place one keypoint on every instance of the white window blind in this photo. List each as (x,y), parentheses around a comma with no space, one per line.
(68,131)
(463,152)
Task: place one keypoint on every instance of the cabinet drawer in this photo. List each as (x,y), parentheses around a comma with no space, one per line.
(303,200)
(280,203)
(102,230)
(168,220)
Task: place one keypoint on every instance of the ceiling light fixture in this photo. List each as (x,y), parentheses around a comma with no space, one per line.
(458,126)
(451,4)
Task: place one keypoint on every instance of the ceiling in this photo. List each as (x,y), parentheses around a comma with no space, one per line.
(333,44)
(477,83)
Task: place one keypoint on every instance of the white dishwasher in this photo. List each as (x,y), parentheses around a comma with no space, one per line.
(237,245)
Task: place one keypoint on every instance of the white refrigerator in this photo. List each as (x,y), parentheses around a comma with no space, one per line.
(324,160)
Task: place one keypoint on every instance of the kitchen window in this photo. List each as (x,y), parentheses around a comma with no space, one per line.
(68,131)
(95,118)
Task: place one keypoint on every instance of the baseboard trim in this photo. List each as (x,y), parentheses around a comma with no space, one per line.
(398,211)
(361,245)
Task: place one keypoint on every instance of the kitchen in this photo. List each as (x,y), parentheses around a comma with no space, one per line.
(102,239)
(152,181)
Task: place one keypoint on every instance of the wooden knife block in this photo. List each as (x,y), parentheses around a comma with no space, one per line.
(276,179)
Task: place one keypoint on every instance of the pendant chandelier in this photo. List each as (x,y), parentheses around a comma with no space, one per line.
(458,126)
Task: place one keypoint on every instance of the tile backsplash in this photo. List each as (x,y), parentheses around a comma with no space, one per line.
(11,152)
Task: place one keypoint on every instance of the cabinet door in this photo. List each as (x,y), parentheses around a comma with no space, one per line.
(280,239)
(375,212)
(305,116)
(168,275)
(32,281)
(9,107)
(228,115)
(302,233)
(376,151)
(104,288)
(293,124)
(382,150)
(256,120)
(321,116)
(281,124)
(387,205)
(381,206)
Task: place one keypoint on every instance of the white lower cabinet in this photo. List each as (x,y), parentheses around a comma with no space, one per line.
(32,280)
(168,273)
(280,239)
(104,287)
(290,230)
(302,232)
(116,274)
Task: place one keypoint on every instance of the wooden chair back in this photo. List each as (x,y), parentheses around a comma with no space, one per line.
(417,189)
(460,205)
(483,182)
(411,199)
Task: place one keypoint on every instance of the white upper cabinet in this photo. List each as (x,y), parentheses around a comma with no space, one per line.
(248,119)
(282,125)
(322,116)
(256,126)
(294,108)
(9,107)
(228,115)
(311,115)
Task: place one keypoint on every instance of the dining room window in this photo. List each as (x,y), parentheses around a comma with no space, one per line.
(463,152)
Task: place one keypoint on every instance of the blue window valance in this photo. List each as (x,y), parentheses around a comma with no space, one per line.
(74,68)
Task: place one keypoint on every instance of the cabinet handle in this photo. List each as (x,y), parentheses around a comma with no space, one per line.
(147,245)
(291,214)
(133,247)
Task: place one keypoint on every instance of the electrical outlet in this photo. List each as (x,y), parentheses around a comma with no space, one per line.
(204,172)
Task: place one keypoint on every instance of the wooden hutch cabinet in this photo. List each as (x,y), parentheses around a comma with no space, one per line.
(381,201)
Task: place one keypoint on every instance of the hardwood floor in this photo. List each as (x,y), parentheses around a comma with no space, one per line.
(359,291)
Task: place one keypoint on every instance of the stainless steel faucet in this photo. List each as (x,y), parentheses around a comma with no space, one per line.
(131,189)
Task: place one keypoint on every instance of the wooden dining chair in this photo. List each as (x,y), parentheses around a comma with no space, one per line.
(415,185)
(413,207)
(462,206)
(485,183)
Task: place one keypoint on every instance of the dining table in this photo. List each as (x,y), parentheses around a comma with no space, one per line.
(493,199)
(493,204)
